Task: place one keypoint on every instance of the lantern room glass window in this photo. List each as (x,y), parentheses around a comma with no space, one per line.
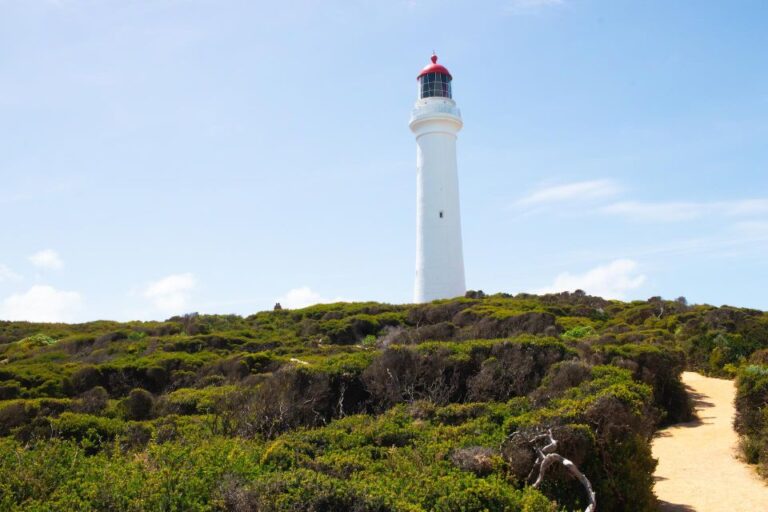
(435,85)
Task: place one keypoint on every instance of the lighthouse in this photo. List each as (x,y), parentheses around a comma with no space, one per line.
(435,121)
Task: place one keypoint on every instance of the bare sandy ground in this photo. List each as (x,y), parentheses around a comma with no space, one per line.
(698,469)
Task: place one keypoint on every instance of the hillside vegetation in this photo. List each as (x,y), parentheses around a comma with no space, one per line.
(363,406)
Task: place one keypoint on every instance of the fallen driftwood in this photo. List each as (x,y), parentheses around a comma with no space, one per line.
(544,445)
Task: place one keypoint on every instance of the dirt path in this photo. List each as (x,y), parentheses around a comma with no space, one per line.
(698,470)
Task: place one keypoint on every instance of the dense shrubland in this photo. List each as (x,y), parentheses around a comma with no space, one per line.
(362,406)
(752,412)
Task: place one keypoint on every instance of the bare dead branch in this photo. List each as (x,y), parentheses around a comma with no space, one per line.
(546,457)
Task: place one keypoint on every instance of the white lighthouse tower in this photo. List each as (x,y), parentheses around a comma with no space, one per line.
(435,121)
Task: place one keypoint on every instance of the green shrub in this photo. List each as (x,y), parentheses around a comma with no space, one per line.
(38,340)
(93,401)
(138,405)
(14,415)
(285,410)
(10,389)
(490,494)
(578,332)
(751,400)
(93,431)
(513,369)
(299,491)
(659,367)
(192,401)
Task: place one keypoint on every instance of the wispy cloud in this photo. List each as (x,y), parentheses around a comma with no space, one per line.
(302,297)
(42,303)
(745,207)
(35,189)
(171,294)
(612,281)
(6,274)
(752,228)
(675,211)
(47,258)
(744,238)
(569,192)
(600,197)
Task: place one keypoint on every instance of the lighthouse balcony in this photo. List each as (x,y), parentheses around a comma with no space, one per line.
(429,107)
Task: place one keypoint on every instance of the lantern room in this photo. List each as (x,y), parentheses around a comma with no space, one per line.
(434,81)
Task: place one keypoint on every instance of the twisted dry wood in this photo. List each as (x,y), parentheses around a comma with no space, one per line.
(546,456)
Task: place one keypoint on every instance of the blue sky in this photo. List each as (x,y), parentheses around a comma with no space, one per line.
(167,156)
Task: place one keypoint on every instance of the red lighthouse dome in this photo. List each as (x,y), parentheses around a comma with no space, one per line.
(434,81)
(434,68)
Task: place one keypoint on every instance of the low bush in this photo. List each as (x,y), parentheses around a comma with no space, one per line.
(362,406)
(94,431)
(658,367)
(10,389)
(291,398)
(93,401)
(138,405)
(513,369)
(752,414)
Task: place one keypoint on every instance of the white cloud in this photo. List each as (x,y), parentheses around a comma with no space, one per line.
(611,281)
(577,191)
(668,212)
(744,207)
(659,211)
(302,297)
(42,303)
(47,258)
(171,293)
(682,211)
(752,228)
(6,274)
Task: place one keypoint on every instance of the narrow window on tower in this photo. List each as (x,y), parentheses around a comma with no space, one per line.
(441,214)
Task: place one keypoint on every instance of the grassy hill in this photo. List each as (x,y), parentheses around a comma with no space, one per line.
(363,406)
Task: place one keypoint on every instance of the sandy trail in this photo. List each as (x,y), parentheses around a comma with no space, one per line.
(698,470)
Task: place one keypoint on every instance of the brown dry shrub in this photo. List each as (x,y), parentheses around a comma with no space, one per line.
(479,460)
